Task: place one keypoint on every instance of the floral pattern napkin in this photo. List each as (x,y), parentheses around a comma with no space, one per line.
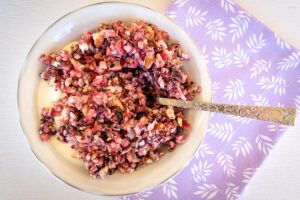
(249,64)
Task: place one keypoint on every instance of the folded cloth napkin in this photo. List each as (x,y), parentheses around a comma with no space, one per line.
(249,64)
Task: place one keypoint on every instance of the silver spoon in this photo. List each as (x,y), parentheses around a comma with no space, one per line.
(280,115)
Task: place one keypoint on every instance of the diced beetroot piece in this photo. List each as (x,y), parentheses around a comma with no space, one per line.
(128,48)
(138,36)
(109,33)
(120,47)
(159,61)
(45,137)
(87,131)
(164,55)
(180,139)
(89,59)
(46,60)
(91,114)
(133,63)
(125,143)
(98,98)
(185,125)
(108,51)
(86,37)
(114,147)
(100,80)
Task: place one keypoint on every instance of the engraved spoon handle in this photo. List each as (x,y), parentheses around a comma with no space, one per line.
(284,116)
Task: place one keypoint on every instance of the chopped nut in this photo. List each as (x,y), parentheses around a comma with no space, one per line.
(161,82)
(115,89)
(103,172)
(87,88)
(116,101)
(55,63)
(83,47)
(148,61)
(102,65)
(179,121)
(127,33)
(159,126)
(150,31)
(116,66)
(144,120)
(77,65)
(154,111)
(70,47)
(170,112)
(98,38)
(84,109)
(162,44)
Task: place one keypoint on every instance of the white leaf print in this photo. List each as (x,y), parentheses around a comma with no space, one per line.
(278,84)
(279,104)
(170,189)
(231,192)
(242,120)
(283,44)
(222,132)
(216,30)
(201,171)
(255,43)
(194,17)
(179,3)
(297,102)
(225,161)
(204,150)
(239,25)
(170,14)
(241,145)
(277,128)
(227,5)
(259,67)
(215,86)
(247,174)
(207,191)
(240,57)
(291,62)
(264,143)
(221,57)
(204,54)
(259,100)
(234,90)
(143,195)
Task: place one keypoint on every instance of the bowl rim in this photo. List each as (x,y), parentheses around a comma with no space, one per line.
(21,121)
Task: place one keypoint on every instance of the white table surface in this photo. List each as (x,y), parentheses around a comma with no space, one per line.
(22,177)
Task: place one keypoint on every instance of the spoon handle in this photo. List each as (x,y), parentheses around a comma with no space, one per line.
(280,115)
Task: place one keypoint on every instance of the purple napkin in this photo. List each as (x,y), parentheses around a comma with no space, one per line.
(249,64)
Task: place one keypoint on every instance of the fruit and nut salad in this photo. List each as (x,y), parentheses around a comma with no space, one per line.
(109,80)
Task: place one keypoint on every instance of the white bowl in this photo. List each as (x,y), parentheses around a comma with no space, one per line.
(56,157)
